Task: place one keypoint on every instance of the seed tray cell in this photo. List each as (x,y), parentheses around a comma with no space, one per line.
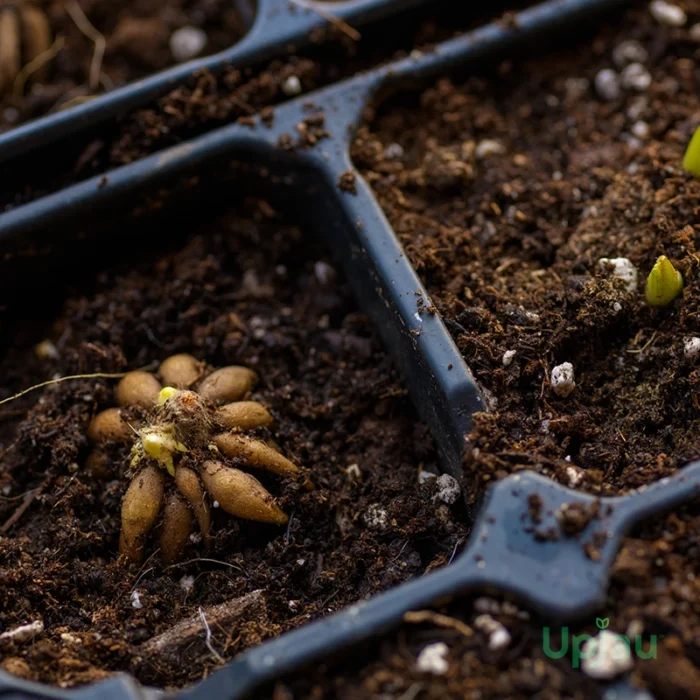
(300,159)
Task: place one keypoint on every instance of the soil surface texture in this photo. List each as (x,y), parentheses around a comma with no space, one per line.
(509,191)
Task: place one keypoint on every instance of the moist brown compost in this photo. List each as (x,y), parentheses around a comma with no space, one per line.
(247,288)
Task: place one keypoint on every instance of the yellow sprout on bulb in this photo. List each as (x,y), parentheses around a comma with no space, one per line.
(664,283)
(179,456)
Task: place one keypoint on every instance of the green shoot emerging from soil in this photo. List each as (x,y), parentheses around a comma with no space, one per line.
(664,283)
(691,159)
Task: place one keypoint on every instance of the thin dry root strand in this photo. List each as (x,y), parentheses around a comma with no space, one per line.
(175,529)
(240,494)
(180,371)
(188,484)
(140,509)
(138,388)
(37,66)
(228,384)
(97,375)
(109,425)
(243,415)
(255,453)
(85,26)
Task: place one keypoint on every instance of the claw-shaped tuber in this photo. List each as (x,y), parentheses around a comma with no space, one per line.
(255,453)
(243,415)
(228,384)
(188,484)
(109,425)
(181,428)
(176,528)
(140,509)
(240,494)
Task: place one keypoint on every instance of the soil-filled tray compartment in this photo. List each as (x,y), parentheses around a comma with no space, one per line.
(237,285)
(491,645)
(150,115)
(533,201)
(550,547)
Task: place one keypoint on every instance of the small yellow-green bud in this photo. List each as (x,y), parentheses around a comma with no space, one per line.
(691,159)
(664,283)
(165,393)
(160,445)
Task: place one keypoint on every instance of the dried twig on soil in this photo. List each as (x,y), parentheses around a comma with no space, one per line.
(331,19)
(420,616)
(19,512)
(22,634)
(185,642)
(85,26)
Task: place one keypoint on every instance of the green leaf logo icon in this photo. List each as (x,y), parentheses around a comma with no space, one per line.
(602,622)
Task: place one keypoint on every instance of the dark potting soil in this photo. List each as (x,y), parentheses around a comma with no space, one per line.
(245,288)
(136,37)
(507,191)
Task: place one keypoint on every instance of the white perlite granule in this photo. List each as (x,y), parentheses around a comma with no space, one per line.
(668,14)
(508,356)
(691,347)
(499,637)
(291,86)
(187,583)
(489,147)
(607,84)
(624,269)
(448,489)
(562,379)
(635,77)
(432,659)
(641,130)
(24,633)
(629,51)
(186,43)
(375,517)
(606,656)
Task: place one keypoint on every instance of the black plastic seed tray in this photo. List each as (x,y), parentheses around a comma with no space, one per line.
(273,26)
(553,578)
